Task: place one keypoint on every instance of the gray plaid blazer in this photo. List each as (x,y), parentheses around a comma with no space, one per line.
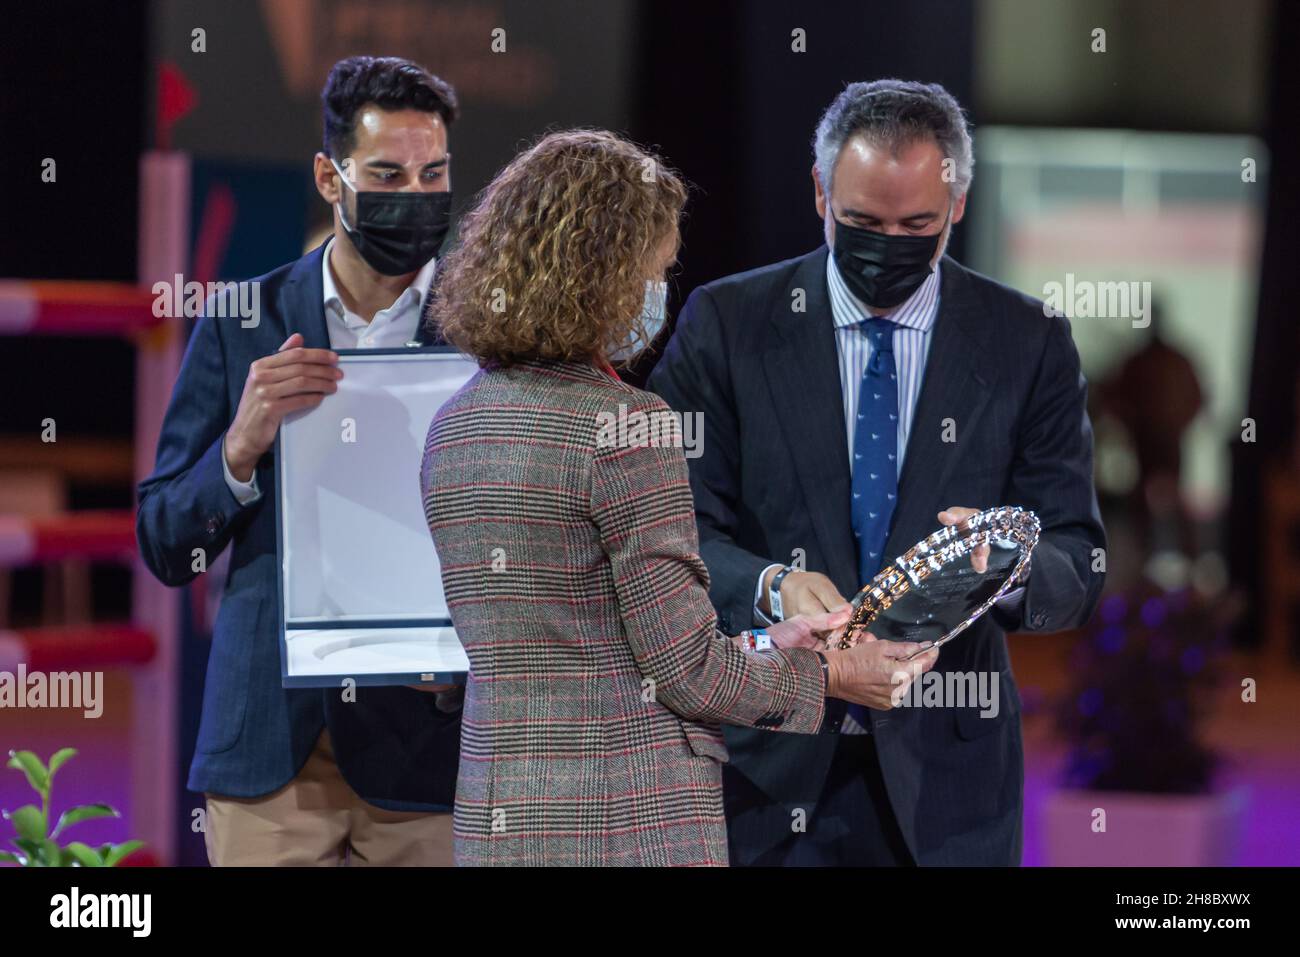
(597,676)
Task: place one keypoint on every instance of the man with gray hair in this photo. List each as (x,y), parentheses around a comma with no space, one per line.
(852,399)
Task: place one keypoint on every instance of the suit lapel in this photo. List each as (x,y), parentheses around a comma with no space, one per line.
(959,378)
(304,296)
(804,379)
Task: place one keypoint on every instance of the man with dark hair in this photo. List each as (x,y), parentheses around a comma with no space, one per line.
(853,399)
(305,776)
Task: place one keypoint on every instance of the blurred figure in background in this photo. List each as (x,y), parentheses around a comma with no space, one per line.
(1155,395)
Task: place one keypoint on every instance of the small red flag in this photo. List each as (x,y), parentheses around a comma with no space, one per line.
(176,98)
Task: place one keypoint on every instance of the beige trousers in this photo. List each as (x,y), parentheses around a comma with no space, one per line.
(317,820)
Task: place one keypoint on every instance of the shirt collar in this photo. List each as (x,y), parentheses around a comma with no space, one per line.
(418,288)
(918,311)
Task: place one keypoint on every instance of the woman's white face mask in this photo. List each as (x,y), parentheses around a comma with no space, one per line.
(654,314)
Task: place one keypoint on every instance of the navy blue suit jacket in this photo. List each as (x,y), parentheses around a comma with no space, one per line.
(393,746)
(774,477)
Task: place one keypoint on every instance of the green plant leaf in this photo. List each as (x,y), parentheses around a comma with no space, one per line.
(59,758)
(28,822)
(51,854)
(29,848)
(27,762)
(12,858)
(116,852)
(84,812)
(84,855)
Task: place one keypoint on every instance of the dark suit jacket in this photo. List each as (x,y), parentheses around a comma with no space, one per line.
(774,477)
(393,745)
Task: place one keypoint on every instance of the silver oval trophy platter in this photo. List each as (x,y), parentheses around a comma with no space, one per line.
(932,593)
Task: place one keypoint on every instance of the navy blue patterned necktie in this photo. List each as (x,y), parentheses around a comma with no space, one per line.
(875,449)
(875,462)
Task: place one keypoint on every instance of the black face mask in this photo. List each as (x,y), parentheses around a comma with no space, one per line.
(397,233)
(883,270)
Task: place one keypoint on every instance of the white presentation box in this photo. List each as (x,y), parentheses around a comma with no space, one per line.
(360,586)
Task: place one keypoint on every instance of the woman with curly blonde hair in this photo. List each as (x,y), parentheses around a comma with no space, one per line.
(568,549)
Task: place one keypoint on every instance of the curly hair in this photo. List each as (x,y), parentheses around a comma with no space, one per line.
(552,258)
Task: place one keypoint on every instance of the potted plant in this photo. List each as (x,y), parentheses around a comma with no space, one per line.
(1138,782)
(36,844)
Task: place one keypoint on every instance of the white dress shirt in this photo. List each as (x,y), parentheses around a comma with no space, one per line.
(391,328)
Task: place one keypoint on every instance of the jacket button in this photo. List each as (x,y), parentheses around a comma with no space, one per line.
(1038,620)
(213,525)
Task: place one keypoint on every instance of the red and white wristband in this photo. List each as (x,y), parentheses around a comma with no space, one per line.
(756,640)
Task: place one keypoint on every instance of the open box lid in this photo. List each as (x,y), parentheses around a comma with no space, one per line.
(360,585)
